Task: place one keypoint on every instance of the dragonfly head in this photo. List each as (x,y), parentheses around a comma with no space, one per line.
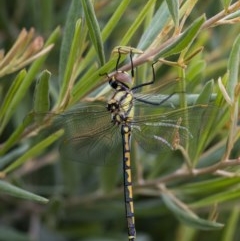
(122,79)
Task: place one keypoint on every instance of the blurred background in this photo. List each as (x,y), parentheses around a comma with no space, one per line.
(86,201)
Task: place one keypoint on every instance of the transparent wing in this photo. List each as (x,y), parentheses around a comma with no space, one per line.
(165,131)
(164,94)
(89,136)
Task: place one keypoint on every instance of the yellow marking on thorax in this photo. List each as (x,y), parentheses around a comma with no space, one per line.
(125,101)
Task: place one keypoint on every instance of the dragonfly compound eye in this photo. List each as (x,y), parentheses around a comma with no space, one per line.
(113,83)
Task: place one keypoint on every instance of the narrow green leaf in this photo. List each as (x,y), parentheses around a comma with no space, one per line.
(195,71)
(74,13)
(188,217)
(226,3)
(9,189)
(206,93)
(208,186)
(232,225)
(233,16)
(135,25)
(111,25)
(23,87)
(16,135)
(90,79)
(34,151)
(186,233)
(114,20)
(173,7)
(94,30)
(204,122)
(47,10)
(233,68)
(41,94)
(220,197)
(12,155)
(8,105)
(72,58)
(155,26)
(184,40)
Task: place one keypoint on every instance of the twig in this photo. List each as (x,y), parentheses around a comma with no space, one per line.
(150,53)
(184,173)
(140,188)
(210,22)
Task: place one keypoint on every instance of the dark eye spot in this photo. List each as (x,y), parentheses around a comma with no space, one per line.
(113,83)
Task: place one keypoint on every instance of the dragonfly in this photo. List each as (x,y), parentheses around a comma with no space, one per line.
(94,131)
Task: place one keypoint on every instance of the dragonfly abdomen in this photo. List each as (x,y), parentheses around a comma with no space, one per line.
(128,192)
(121,108)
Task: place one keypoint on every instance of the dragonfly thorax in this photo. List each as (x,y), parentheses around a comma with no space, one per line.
(121,105)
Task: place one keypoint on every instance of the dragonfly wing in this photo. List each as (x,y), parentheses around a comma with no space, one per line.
(163,94)
(165,131)
(164,135)
(89,136)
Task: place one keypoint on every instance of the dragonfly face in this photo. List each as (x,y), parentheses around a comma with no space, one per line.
(121,78)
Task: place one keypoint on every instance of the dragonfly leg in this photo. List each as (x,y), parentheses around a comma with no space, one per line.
(149,82)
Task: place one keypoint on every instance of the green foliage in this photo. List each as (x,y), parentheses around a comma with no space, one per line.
(179,195)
